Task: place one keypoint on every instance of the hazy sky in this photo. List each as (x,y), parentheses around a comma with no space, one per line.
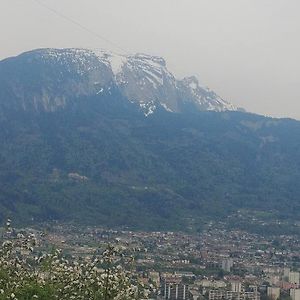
(248,51)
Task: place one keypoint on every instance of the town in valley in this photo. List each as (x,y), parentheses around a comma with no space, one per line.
(217,263)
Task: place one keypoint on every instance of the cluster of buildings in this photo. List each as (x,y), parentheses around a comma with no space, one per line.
(172,287)
(284,281)
(216,264)
(179,287)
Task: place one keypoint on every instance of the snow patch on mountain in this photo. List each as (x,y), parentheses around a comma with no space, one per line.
(113,60)
(116,63)
(202,96)
(166,107)
(147,108)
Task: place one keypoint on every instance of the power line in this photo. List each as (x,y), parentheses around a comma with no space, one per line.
(74,22)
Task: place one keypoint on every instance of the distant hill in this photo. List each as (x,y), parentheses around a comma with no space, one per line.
(117,140)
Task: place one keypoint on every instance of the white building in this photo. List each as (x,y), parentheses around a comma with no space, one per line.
(273,293)
(227,264)
(295,294)
(294,277)
(236,286)
(229,295)
(286,272)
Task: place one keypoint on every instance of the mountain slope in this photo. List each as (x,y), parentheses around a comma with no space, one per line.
(69,152)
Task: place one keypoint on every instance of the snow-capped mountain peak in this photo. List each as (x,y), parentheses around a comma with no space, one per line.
(203,97)
(141,78)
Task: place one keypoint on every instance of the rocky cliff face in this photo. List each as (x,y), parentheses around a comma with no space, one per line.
(49,79)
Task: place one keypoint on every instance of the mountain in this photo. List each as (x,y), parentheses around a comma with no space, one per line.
(97,138)
(46,79)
